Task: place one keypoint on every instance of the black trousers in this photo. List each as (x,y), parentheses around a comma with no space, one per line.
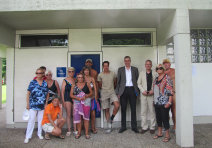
(162,116)
(129,94)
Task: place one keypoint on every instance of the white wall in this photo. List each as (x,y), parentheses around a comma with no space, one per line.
(84,39)
(26,63)
(25,5)
(202,80)
(7,35)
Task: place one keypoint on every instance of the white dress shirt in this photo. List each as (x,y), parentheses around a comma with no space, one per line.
(128,77)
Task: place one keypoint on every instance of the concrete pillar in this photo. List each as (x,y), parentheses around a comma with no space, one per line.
(0,82)
(10,86)
(183,77)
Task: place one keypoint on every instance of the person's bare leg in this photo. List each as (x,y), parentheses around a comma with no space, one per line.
(107,114)
(115,109)
(93,120)
(173,110)
(86,125)
(159,134)
(60,122)
(68,115)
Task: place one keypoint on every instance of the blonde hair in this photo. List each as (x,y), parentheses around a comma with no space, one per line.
(71,68)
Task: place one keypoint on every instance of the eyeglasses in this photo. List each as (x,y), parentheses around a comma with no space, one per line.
(48,74)
(79,77)
(159,68)
(38,73)
(70,71)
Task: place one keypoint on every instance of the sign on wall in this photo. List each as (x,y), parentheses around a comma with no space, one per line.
(61,71)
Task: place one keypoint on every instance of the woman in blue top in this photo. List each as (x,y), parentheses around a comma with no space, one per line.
(37,98)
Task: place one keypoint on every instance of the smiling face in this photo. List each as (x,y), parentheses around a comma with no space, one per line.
(71,73)
(160,69)
(167,65)
(148,65)
(49,76)
(80,78)
(55,102)
(105,67)
(86,72)
(127,62)
(39,73)
(89,64)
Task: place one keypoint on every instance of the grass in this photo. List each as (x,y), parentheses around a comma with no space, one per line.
(3,94)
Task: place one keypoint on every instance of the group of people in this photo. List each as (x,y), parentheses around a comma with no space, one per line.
(79,96)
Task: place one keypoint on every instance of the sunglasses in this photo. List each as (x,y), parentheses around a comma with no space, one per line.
(49,75)
(159,68)
(70,71)
(38,73)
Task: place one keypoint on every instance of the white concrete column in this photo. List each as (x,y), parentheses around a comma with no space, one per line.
(183,77)
(10,86)
(0,82)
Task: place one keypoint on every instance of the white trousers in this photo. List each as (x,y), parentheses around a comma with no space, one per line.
(147,108)
(31,122)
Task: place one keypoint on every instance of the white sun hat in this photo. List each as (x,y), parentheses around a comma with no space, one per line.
(25,116)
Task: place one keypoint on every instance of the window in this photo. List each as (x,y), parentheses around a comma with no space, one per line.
(123,39)
(170,52)
(44,40)
(201,42)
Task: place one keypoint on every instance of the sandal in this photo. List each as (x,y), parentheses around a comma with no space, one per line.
(47,137)
(94,131)
(166,139)
(77,136)
(157,136)
(68,134)
(61,137)
(87,136)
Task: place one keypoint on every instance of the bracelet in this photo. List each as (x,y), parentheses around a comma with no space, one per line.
(170,103)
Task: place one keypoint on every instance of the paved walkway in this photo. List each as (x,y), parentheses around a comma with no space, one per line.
(13,138)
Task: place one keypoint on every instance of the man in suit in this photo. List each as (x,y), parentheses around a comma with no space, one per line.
(127,90)
(145,84)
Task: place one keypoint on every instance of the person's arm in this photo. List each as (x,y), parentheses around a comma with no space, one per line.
(90,94)
(115,82)
(140,84)
(27,100)
(51,121)
(118,82)
(47,99)
(58,88)
(72,94)
(169,89)
(61,111)
(63,92)
(95,88)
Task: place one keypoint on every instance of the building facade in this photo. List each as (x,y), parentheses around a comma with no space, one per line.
(87,25)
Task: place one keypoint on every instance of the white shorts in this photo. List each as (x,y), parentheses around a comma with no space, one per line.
(48,127)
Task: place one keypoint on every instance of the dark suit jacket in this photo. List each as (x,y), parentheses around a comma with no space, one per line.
(121,80)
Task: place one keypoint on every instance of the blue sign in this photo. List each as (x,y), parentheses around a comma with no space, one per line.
(61,71)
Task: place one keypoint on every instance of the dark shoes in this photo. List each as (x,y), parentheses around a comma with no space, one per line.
(144,131)
(122,130)
(152,131)
(135,130)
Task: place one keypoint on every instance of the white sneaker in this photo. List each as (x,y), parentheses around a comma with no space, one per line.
(26,140)
(75,133)
(40,137)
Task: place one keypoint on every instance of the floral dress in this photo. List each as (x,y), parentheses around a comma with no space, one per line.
(162,90)
(81,108)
